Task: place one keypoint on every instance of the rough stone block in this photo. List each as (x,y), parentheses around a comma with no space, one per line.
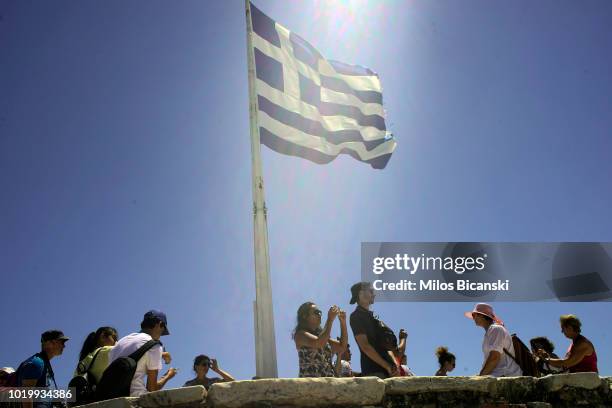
(418,385)
(124,402)
(516,388)
(171,397)
(303,392)
(553,383)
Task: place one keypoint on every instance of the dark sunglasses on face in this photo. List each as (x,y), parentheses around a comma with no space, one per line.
(318,312)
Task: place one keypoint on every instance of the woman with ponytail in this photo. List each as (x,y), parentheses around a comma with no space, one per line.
(446,360)
(97,344)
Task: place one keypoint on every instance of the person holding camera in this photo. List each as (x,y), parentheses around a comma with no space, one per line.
(581,356)
(201,365)
(313,342)
(400,355)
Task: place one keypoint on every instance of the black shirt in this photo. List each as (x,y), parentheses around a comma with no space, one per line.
(207,382)
(363,322)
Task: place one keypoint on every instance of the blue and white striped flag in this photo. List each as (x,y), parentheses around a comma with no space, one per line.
(312,107)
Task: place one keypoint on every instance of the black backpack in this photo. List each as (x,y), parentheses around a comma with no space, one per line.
(523,357)
(117,377)
(84,383)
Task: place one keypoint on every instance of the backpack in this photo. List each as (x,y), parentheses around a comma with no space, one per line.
(523,357)
(84,383)
(117,377)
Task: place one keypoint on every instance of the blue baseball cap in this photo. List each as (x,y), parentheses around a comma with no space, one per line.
(158,315)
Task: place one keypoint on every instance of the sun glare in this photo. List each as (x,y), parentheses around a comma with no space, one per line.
(345,24)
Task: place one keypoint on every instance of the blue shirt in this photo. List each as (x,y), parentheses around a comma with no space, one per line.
(34,369)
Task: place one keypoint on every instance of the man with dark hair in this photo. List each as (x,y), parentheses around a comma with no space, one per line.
(154,325)
(375,359)
(36,371)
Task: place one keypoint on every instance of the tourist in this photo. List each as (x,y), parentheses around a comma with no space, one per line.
(581,356)
(343,363)
(154,325)
(313,343)
(542,346)
(201,364)
(93,358)
(376,359)
(5,374)
(36,371)
(446,360)
(399,353)
(496,344)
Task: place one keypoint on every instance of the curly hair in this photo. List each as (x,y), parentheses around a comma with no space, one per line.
(444,355)
(542,343)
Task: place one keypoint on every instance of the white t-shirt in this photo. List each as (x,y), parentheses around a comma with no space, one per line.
(152,359)
(497,339)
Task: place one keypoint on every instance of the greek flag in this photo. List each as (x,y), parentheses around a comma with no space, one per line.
(312,107)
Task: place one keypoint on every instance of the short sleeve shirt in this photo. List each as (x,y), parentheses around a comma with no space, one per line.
(497,339)
(34,369)
(152,359)
(363,322)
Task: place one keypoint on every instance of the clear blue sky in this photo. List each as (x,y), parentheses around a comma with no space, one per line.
(125,167)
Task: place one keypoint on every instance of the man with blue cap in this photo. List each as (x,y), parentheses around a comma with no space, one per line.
(154,325)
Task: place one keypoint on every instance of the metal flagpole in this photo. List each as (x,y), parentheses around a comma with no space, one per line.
(265,343)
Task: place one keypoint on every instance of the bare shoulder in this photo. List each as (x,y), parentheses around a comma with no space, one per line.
(302,338)
(583,345)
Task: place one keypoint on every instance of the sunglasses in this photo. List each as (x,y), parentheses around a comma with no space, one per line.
(318,312)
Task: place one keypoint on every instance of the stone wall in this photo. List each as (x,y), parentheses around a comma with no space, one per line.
(563,391)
